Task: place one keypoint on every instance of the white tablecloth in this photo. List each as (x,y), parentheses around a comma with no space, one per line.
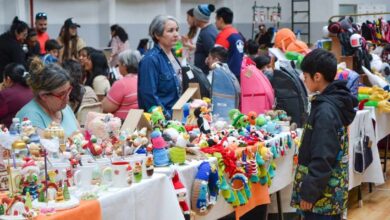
(151,199)
(373,173)
(382,125)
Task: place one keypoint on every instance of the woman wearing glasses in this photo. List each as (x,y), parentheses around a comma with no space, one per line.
(11,45)
(51,88)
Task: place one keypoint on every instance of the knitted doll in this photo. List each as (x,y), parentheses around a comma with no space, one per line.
(181,193)
(203,124)
(177,154)
(160,154)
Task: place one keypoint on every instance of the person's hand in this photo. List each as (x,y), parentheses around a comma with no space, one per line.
(305,206)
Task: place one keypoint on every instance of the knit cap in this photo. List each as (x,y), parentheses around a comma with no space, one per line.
(202,12)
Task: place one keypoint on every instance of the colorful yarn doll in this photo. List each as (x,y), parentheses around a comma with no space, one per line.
(160,154)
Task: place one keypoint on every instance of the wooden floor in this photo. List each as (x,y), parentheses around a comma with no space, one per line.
(376,205)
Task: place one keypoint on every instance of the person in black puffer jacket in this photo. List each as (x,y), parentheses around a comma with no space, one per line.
(320,189)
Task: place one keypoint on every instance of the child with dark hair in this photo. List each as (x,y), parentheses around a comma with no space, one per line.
(263,63)
(52,48)
(14,93)
(251,48)
(320,189)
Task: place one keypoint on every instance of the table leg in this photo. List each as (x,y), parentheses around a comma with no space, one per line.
(360,196)
(279,201)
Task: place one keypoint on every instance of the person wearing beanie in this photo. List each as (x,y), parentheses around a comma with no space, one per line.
(207,35)
(230,39)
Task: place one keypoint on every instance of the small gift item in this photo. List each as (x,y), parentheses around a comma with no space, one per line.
(241,190)
(55,131)
(30,175)
(201,120)
(177,153)
(149,166)
(138,171)
(181,193)
(160,153)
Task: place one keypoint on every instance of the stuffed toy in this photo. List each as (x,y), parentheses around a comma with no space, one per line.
(102,125)
(138,171)
(160,153)
(181,193)
(202,123)
(205,188)
(240,186)
(177,154)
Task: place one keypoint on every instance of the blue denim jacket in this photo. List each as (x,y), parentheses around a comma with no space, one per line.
(157,82)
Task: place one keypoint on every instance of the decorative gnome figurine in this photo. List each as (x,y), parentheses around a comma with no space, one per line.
(160,154)
(181,193)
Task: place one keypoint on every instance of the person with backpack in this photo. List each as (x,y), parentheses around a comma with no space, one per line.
(225,88)
(230,39)
(320,189)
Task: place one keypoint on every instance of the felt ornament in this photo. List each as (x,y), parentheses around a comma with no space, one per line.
(181,193)
(138,171)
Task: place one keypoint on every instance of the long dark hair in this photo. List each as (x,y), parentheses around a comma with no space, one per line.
(68,40)
(99,66)
(121,33)
(17,26)
(16,72)
(75,72)
(193,29)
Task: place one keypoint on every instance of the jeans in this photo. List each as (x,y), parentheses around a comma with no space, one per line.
(314,216)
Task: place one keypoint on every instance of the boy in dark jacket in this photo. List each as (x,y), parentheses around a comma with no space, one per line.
(320,188)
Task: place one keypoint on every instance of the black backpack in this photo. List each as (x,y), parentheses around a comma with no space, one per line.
(290,93)
(192,74)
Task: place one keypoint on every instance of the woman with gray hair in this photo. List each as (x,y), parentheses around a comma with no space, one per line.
(159,82)
(51,88)
(123,95)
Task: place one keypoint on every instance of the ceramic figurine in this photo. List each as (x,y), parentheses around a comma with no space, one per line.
(138,171)
(149,166)
(30,175)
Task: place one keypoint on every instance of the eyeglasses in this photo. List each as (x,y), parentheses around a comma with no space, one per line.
(61,95)
(41,15)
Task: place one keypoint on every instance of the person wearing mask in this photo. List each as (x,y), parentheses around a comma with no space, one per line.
(70,41)
(230,39)
(159,78)
(189,40)
(123,95)
(51,88)
(14,93)
(41,29)
(119,43)
(206,37)
(11,45)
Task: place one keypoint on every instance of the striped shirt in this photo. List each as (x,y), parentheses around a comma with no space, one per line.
(124,94)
